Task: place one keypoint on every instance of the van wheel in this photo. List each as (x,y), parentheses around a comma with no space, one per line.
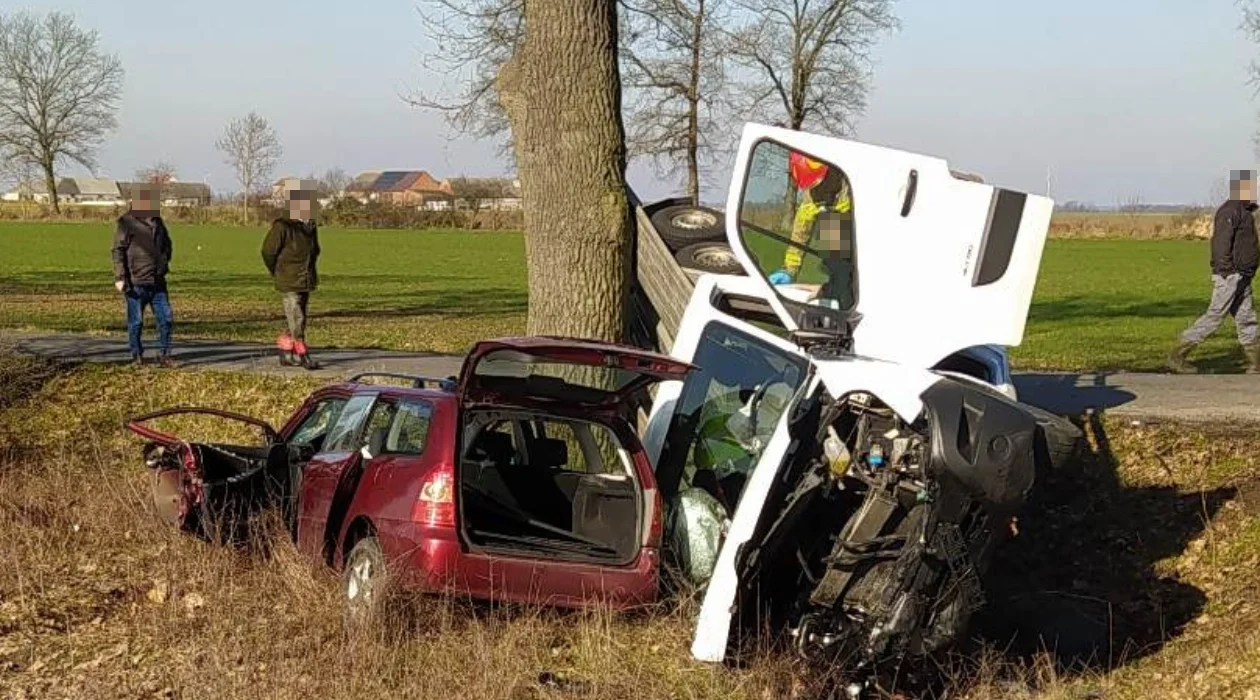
(683,224)
(710,257)
(364,581)
(1060,444)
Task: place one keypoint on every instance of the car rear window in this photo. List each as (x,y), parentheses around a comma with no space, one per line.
(515,365)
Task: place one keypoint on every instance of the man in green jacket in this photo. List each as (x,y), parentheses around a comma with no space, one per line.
(290,252)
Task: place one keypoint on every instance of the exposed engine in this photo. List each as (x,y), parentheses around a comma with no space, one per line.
(878,552)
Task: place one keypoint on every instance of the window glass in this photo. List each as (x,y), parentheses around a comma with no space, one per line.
(727,411)
(345,433)
(796,221)
(376,432)
(410,430)
(315,427)
(587,448)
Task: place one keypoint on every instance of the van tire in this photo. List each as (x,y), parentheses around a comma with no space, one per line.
(1060,444)
(717,258)
(681,225)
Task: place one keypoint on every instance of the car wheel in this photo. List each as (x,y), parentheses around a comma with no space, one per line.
(169,498)
(363,582)
(683,224)
(710,257)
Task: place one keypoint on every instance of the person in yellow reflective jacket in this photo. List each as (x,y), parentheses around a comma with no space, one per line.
(826,189)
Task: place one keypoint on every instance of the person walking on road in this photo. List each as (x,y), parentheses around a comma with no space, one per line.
(290,252)
(1235,257)
(142,255)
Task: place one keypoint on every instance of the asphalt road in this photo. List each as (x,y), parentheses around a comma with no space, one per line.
(1149,397)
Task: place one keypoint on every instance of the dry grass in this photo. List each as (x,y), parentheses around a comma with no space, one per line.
(1190,224)
(98,599)
(1158,540)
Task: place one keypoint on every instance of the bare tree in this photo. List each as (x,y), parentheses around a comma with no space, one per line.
(334,181)
(58,93)
(808,61)
(563,79)
(674,75)
(476,192)
(160,173)
(251,147)
(475,38)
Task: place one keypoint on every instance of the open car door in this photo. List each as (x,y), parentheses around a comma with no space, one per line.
(884,252)
(211,487)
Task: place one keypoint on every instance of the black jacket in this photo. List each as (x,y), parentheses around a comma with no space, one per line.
(290,251)
(1234,245)
(142,251)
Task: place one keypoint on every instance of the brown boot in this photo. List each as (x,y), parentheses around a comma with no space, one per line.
(1253,358)
(1178,359)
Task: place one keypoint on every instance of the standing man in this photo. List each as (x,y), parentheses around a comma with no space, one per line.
(290,252)
(1235,257)
(142,255)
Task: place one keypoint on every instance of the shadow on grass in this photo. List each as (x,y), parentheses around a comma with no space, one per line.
(1080,581)
(1106,307)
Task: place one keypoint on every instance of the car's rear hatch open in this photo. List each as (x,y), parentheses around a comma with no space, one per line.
(543,370)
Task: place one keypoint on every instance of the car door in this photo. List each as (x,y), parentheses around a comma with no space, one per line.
(386,491)
(898,257)
(341,453)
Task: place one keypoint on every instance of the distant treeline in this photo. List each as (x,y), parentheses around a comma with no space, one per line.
(347,213)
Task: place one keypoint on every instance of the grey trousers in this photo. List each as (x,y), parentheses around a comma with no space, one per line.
(295,313)
(1231,296)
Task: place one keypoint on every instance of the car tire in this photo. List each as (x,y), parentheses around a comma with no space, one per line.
(1060,444)
(681,225)
(717,258)
(364,582)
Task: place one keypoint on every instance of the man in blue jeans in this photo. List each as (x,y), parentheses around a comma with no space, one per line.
(142,257)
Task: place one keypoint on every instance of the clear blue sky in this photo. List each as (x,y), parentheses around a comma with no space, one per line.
(1117,97)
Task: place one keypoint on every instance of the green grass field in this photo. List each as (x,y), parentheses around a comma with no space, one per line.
(414,290)
(1100,304)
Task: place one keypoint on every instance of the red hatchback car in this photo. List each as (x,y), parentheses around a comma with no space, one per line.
(520,480)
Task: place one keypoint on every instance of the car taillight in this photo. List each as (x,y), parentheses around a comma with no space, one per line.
(436,505)
(656,526)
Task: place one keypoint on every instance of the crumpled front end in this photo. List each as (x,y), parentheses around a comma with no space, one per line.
(875,537)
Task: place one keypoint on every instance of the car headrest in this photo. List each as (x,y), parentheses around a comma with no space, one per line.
(549,452)
(492,444)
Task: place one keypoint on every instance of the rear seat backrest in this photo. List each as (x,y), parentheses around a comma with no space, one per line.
(549,453)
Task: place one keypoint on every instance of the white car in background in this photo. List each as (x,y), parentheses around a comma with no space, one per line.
(850,451)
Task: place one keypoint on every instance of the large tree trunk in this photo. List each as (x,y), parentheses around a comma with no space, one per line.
(562,93)
(50,181)
(693,108)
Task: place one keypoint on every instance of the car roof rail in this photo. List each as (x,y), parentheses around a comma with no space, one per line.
(417,381)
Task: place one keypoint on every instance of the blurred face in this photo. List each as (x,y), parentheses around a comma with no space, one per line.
(1242,186)
(145,201)
(1242,190)
(302,207)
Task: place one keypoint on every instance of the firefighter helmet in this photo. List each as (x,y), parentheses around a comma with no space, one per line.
(806,172)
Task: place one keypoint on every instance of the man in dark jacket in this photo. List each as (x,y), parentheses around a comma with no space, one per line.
(1235,257)
(142,255)
(290,252)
